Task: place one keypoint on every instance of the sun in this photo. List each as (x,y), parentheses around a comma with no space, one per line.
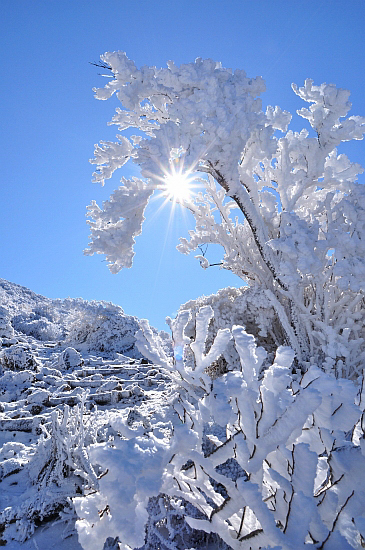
(177,186)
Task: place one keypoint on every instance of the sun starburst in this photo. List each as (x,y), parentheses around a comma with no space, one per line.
(177,185)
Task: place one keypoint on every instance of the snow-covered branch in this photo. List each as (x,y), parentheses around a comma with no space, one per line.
(299,209)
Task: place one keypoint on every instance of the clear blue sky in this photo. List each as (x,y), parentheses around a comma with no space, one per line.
(50,122)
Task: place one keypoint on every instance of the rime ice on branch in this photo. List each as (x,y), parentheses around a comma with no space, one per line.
(292,214)
(257,460)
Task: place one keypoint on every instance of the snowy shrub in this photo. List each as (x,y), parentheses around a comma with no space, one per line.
(47,312)
(39,324)
(59,467)
(102,327)
(14,384)
(19,357)
(236,306)
(298,486)
(266,444)
(167,527)
(6,330)
(262,461)
(135,465)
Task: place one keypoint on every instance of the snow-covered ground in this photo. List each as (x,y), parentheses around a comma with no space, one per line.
(82,368)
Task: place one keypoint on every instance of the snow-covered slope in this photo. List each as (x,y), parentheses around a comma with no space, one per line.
(61,361)
(19,299)
(97,326)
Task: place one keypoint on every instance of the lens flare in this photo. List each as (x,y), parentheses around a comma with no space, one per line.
(177,186)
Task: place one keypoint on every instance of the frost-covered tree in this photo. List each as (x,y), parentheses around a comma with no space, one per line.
(286,208)
(263,442)
(272,461)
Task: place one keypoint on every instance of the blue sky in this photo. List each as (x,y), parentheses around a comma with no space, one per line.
(50,122)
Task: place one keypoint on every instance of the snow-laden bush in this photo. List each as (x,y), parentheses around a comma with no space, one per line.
(13,385)
(135,464)
(267,447)
(237,306)
(58,467)
(19,357)
(40,323)
(101,327)
(6,330)
(263,461)
(167,527)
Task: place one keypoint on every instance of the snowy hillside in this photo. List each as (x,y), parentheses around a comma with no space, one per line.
(110,442)
(99,327)
(59,356)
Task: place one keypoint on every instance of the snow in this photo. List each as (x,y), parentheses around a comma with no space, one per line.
(171,454)
(245,429)
(41,379)
(47,537)
(286,209)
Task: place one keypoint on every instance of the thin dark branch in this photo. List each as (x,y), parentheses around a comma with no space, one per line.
(101,65)
(219,508)
(334,412)
(251,535)
(289,510)
(241,524)
(260,246)
(336,519)
(201,249)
